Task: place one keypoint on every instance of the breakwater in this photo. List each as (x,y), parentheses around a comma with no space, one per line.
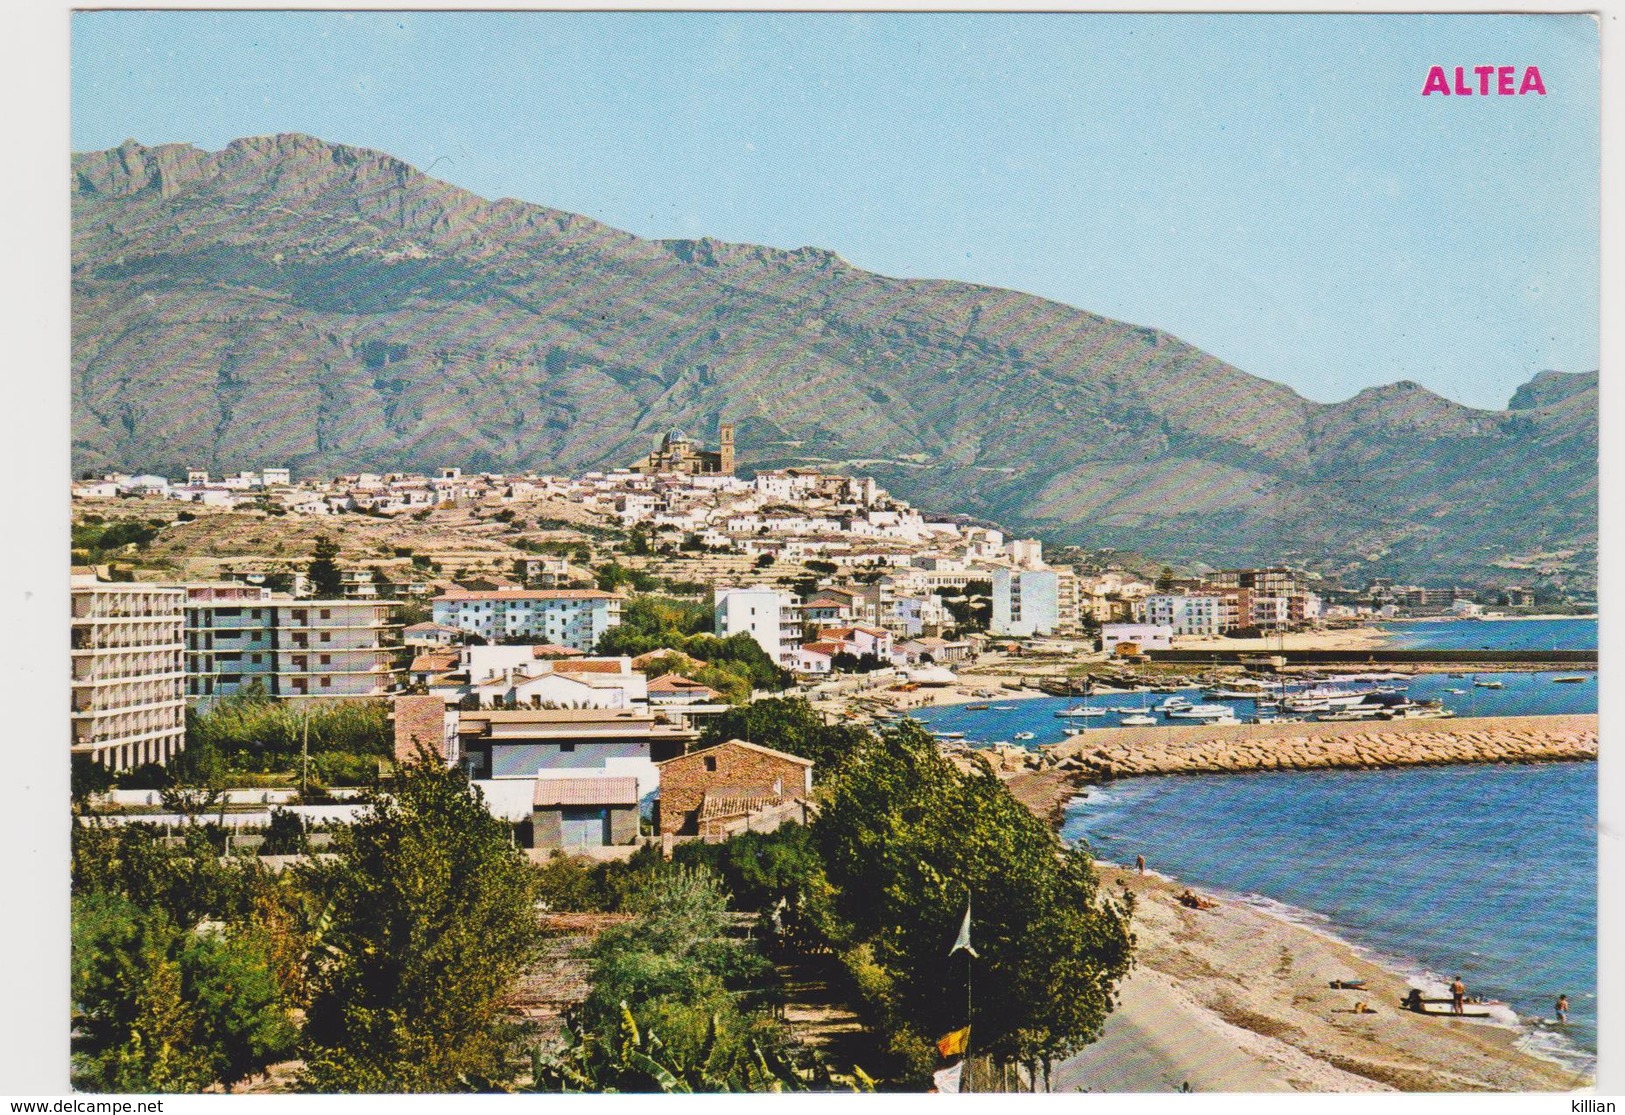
(1380,656)
(1110,753)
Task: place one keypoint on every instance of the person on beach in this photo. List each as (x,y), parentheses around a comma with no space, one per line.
(1458,996)
(1139,862)
(1563,1009)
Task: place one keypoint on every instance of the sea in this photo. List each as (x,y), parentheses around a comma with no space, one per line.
(1483,871)
(1492,634)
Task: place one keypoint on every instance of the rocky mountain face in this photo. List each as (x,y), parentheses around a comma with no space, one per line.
(296,302)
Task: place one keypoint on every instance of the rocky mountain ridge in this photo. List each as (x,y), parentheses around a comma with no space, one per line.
(292,301)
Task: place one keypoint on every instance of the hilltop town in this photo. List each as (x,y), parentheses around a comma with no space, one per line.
(508,590)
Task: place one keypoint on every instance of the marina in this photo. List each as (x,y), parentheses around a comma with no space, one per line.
(1373,697)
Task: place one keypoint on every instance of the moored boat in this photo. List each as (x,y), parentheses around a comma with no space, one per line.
(1138,720)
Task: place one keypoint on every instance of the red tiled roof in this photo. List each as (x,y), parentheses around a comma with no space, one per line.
(824,648)
(586,791)
(434,663)
(553,650)
(677,683)
(588,666)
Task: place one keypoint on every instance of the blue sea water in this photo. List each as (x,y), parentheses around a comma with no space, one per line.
(1499,634)
(1522,694)
(1489,872)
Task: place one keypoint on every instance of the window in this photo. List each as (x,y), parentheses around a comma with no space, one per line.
(254,658)
(326,638)
(232,612)
(254,613)
(327,660)
(326,682)
(711,763)
(327,613)
(567,747)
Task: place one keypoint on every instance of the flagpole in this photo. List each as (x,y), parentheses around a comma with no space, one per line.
(970,958)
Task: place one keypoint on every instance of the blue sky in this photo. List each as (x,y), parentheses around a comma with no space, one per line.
(1274,189)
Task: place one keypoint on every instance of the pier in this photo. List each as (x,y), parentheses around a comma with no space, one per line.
(1108,753)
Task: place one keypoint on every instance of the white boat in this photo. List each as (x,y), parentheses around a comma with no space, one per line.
(1202,712)
(1004,708)
(1024,735)
(1173,703)
(1457,692)
(1488,685)
(1138,720)
(1082,710)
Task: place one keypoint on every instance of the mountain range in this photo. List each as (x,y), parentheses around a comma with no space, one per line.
(290,301)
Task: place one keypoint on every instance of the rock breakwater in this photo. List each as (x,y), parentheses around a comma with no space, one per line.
(1126,752)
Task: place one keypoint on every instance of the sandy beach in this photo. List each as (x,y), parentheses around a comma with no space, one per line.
(1238,999)
(1345,638)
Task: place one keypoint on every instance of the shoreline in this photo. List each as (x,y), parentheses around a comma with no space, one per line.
(1238,999)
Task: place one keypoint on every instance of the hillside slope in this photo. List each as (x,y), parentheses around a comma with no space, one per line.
(292,301)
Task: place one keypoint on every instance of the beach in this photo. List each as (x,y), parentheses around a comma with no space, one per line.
(1238,998)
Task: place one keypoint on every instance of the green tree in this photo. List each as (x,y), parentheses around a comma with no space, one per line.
(677,1003)
(159,1008)
(789,724)
(285,835)
(432,920)
(323,569)
(87,777)
(906,838)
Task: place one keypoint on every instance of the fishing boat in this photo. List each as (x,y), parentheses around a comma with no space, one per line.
(1081,710)
(977,708)
(1488,685)
(1570,679)
(1024,735)
(1138,720)
(1457,692)
(948,735)
(1004,708)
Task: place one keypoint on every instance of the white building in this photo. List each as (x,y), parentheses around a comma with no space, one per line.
(1146,636)
(769,616)
(575,618)
(129,702)
(1187,615)
(1025,602)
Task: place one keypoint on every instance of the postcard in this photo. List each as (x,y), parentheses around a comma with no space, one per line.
(833,551)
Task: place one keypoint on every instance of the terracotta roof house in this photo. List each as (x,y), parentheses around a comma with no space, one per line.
(733,772)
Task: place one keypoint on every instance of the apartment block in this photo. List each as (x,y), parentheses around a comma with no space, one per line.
(574,618)
(1025,602)
(237,635)
(129,702)
(769,616)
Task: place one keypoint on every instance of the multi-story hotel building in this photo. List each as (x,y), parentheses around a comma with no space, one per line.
(766,614)
(237,635)
(129,704)
(568,617)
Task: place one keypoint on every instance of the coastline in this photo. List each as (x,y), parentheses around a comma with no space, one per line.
(1238,998)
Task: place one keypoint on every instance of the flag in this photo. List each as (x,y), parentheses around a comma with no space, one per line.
(947,1080)
(952,1045)
(963,940)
